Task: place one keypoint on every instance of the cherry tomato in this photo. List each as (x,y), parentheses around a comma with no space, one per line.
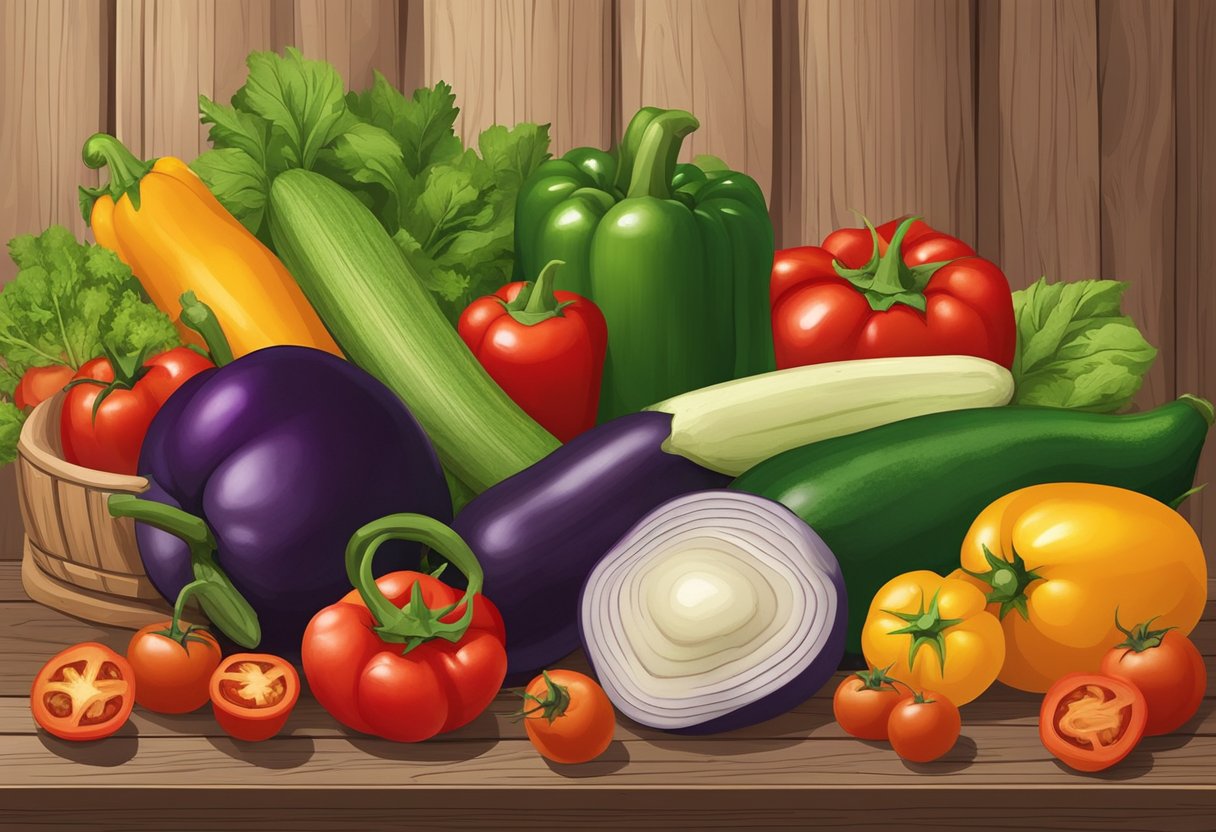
(173,667)
(110,438)
(924,726)
(568,716)
(1168,669)
(252,695)
(83,693)
(863,703)
(1090,721)
(40,383)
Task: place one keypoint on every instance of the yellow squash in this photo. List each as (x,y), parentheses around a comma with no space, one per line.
(163,222)
(1058,560)
(934,633)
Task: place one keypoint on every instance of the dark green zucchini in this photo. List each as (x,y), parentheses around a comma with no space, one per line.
(902,496)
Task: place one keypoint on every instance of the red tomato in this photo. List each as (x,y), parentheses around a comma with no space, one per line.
(111,438)
(375,687)
(252,694)
(850,298)
(173,667)
(1090,721)
(568,717)
(83,693)
(39,384)
(924,726)
(1168,669)
(863,703)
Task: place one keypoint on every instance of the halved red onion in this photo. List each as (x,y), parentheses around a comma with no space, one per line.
(719,609)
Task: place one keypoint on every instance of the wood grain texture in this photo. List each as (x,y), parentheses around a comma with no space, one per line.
(12,530)
(1038,143)
(1195,293)
(886,125)
(357,36)
(1136,94)
(546,61)
(714,60)
(54,94)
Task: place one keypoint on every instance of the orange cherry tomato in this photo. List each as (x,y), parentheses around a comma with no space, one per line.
(924,726)
(173,667)
(568,716)
(863,703)
(40,383)
(1090,721)
(1168,669)
(252,695)
(83,693)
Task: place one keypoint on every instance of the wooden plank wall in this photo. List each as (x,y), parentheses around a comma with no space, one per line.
(1061,137)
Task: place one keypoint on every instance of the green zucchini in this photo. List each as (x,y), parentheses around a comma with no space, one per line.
(902,496)
(387,322)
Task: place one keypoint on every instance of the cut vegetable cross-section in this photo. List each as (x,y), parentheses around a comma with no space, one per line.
(252,695)
(1090,721)
(84,693)
(718,610)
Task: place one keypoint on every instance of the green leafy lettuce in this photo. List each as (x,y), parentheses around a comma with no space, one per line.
(1076,348)
(67,301)
(449,208)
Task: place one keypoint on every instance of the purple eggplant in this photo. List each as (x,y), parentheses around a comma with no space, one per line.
(260,471)
(539,533)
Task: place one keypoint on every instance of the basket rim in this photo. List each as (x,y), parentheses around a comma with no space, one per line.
(37,447)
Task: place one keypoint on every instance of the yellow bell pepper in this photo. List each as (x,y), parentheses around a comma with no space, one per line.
(934,633)
(163,222)
(1057,561)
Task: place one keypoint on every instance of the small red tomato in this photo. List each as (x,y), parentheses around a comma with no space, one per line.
(1090,721)
(924,726)
(173,667)
(1168,669)
(568,716)
(252,695)
(83,693)
(40,383)
(863,703)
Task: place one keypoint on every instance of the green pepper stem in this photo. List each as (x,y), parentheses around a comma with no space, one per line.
(198,316)
(537,302)
(655,164)
(221,601)
(126,171)
(628,148)
(415,623)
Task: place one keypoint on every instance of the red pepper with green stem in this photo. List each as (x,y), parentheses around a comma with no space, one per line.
(900,289)
(406,657)
(545,348)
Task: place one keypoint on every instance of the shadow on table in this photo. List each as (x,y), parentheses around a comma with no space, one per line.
(472,740)
(277,754)
(115,750)
(958,758)
(783,731)
(614,758)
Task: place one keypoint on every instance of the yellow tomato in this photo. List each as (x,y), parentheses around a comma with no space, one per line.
(936,634)
(1059,560)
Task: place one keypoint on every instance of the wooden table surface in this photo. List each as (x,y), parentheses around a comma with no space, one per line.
(182,772)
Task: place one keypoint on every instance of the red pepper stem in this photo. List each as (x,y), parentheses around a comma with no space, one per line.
(537,302)
(893,275)
(415,623)
(658,151)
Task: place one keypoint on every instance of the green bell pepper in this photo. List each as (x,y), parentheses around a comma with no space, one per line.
(677,257)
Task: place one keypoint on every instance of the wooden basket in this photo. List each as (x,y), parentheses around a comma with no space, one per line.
(79,559)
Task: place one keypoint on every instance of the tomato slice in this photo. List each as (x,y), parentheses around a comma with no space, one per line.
(1090,721)
(83,693)
(252,694)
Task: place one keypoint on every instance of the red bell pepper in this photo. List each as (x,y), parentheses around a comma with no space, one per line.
(544,348)
(406,657)
(901,289)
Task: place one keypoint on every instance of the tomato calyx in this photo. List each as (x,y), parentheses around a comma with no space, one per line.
(886,279)
(128,369)
(536,301)
(414,623)
(174,630)
(927,627)
(1008,580)
(876,679)
(1140,637)
(919,698)
(551,707)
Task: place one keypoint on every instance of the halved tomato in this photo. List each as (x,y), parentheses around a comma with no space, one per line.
(252,695)
(83,693)
(1090,721)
